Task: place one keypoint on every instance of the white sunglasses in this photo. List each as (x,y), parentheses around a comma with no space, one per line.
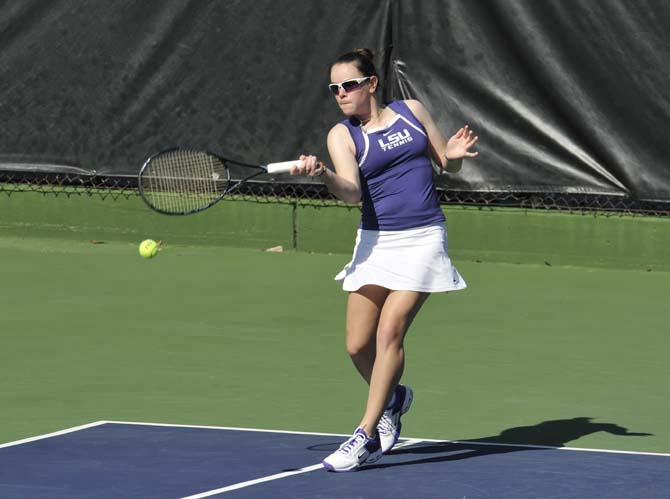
(348,85)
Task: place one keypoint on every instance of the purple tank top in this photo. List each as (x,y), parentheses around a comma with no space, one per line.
(398,191)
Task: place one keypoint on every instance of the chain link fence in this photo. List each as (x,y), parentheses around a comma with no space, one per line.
(72,181)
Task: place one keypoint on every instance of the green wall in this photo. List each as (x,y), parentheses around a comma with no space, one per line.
(487,235)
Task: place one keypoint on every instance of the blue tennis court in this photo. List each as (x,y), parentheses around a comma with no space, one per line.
(112,460)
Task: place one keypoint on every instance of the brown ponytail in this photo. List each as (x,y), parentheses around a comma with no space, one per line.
(362,58)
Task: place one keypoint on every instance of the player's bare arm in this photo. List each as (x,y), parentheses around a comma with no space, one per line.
(344,182)
(448,153)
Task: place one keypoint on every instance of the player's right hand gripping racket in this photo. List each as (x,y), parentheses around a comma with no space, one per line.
(185,181)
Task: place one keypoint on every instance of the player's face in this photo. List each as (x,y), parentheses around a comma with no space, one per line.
(352,96)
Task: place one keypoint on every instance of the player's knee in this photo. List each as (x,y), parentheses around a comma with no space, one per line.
(356,347)
(389,338)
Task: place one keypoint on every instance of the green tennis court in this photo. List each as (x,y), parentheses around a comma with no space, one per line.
(211,334)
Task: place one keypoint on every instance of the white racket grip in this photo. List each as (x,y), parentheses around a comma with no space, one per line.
(283,167)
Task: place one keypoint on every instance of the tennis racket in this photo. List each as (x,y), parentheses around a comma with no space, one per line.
(184,181)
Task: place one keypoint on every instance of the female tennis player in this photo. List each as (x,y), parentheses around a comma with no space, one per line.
(382,157)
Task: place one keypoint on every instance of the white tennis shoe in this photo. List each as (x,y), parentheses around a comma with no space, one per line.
(358,450)
(389,425)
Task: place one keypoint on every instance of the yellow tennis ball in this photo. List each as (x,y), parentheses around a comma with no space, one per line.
(148,248)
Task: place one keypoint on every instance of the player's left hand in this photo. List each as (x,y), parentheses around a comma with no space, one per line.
(459,144)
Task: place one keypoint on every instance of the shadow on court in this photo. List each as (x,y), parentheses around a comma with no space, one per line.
(556,433)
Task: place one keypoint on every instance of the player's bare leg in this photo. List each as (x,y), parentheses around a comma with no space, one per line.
(377,322)
(398,311)
(364,308)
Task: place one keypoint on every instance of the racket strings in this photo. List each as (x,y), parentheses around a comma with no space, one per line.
(183,181)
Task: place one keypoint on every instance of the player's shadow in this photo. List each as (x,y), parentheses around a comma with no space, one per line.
(555,433)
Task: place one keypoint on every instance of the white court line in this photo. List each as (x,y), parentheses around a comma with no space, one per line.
(230,428)
(54,434)
(529,446)
(577,449)
(406,441)
(248,483)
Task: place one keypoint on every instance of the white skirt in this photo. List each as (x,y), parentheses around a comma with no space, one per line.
(411,260)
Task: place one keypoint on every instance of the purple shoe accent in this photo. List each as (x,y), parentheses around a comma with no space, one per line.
(404,398)
(400,396)
(372,444)
(390,425)
(372,447)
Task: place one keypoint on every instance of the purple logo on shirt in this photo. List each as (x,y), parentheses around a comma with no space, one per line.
(395,139)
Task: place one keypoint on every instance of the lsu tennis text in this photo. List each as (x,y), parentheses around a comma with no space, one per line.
(395,139)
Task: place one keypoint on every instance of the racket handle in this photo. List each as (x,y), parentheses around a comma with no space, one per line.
(283,167)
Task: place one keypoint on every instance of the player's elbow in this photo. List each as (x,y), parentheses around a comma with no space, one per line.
(351,197)
(355,195)
(345,188)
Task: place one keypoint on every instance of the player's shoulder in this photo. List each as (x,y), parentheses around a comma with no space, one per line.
(339,136)
(338,130)
(415,106)
(419,111)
